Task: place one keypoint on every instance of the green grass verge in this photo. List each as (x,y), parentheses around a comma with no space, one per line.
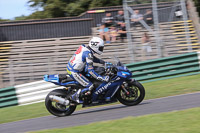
(155,89)
(174,86)
(185,121)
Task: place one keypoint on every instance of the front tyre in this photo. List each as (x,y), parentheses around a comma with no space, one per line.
(131,93)
(58,109)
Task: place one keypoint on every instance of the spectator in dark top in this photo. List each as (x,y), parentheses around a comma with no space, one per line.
(136,17)
(108,20)
(148,17)
(119,18)
(122,32)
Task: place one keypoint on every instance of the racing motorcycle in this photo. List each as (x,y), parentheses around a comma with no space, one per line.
(121,87)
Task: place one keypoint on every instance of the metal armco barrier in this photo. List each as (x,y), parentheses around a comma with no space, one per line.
(8,97)
(26,93)
(167,67)
(147,71)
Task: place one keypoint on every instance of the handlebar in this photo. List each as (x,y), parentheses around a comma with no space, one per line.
(110,69)
(108,65)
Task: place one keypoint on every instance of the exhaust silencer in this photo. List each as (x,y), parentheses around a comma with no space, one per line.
(59,100)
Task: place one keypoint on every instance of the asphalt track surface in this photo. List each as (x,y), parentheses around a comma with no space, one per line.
(166,104)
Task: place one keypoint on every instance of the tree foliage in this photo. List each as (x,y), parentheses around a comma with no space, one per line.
(65,8)
(3,19)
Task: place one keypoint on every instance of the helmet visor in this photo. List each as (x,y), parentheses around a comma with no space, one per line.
(101,48)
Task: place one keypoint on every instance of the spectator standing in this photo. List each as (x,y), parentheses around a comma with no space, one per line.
(136,17)
(148,17)
(146,47)
(119,18)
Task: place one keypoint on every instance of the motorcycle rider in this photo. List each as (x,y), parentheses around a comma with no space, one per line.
(82,61)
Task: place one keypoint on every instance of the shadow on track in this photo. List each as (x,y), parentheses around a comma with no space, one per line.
(101,109)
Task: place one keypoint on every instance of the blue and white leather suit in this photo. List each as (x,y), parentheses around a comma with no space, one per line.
(83,60)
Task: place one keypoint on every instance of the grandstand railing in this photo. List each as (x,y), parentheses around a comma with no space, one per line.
(193,15)
(28,60)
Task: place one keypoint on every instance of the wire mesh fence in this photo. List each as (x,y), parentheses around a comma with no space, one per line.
(159,30)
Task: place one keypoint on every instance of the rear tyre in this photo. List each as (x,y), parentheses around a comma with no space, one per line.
(58,109)
(131,94)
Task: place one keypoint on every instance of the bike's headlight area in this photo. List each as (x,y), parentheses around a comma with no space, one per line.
(124,74)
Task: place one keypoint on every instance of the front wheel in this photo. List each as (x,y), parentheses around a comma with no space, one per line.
(131,93)
(58,109)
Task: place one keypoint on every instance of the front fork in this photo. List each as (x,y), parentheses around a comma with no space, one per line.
(125,86)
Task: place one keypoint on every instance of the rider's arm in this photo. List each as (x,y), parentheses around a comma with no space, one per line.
(89,63)
(97,60)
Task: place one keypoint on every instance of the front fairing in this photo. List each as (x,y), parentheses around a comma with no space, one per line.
(123,72)
(109,88)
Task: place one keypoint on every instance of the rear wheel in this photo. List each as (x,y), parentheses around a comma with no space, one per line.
(131,94)
(58,109)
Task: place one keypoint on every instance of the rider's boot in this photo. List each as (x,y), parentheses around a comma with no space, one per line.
(76,96)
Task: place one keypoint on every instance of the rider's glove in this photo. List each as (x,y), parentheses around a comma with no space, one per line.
(108,63)
(103,78)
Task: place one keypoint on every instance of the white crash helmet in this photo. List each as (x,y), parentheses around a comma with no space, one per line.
(97,45)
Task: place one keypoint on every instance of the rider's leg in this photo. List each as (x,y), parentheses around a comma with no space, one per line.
(84,82)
